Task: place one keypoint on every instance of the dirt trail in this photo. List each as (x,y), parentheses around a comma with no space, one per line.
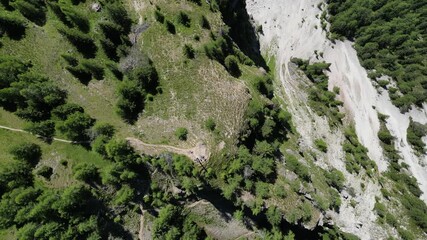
(23,131)
(141,223)
(198,154)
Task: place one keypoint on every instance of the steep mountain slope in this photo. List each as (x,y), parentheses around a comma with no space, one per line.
(294,29)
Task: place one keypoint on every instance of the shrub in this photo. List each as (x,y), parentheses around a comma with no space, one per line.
(280,191)
(77,18)
(81,73)
(262,190)
(415,132)
(27,152)
(124,195)
(83,43)
(70,59)
(204,22)
(131,100)
(198,2)
(335,200)
(335,178)
(45,129)
(118,14)
(104,129)
(210,124)
(295,166)
(263,148)
(183,19)
(321,145)
(181,133)
(391,220)
(218,49)
(405,234)
(385,136)
(96,70)
(383,83)
(76,126)
(159,16)
(263,166)
(163,224)
(146,77)
(86,172)
(27,231)
(170,27)
(115,70)
(417,210)
(380,209)
(110,49)
(33,11)
(189,51)
(45,171)
(13,25)
(98,145)
(274,216)
(62,112)
(232,65)
(306,211)
(111,32)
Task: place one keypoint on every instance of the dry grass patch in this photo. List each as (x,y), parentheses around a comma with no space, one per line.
(193,90)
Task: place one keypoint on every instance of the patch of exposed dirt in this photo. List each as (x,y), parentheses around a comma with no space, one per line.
(198,154)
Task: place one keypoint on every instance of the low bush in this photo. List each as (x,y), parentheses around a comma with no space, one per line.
(86,172)
(204,22)
(45,171)
(184,19)
(295,166)
(83,43)
(232,65)
(34,11)
(131,100)
(44,129)
(27,152)
(335,178)
(210,124)
(321,145)
(189,51)
(181,133)
(159,16)
(415,132)
(96,69)
(12,24)
(76,18)
(170,27)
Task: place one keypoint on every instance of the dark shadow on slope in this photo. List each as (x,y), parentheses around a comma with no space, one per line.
(241,30)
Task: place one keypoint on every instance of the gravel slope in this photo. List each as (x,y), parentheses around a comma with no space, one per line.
(289,30)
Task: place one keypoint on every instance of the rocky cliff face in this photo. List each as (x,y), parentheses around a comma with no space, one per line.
(293,29)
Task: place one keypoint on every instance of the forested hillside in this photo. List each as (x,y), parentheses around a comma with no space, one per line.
(390,40)
(159,119)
